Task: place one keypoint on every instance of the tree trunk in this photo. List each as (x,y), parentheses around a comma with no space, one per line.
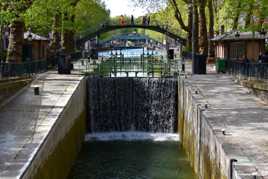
(68,41)
(196,15)
(190,24)
(249,16)
(55,36)
(1,43)
(186,28)
(211,28)
(236,18)
(203,41)
(16,37)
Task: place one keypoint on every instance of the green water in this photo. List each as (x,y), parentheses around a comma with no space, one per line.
(132,160)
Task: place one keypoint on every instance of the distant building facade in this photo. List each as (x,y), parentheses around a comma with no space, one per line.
(236,45)
(39,47)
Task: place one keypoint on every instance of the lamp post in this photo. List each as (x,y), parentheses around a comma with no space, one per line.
(29,41)
(237,34)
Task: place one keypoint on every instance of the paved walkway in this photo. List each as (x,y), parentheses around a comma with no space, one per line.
(27,119)
(243,117)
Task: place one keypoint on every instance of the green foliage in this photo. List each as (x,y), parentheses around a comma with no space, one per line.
(225,12)
(89,14)
(11,10)
(39,16)
(255,9)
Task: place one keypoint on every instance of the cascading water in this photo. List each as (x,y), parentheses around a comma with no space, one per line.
(132,121)
(132,104)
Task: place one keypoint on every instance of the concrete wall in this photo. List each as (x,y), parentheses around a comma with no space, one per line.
(57,153)
(258,87)
(198,139)
(223,128)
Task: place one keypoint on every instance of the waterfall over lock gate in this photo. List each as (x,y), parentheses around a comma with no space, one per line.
(132,104)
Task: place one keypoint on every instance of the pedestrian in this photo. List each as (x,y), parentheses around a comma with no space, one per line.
(260,57)
(121,20)
(183,64)
(148,20)
(265,57)
(144,20)
(246,60)
(132,20)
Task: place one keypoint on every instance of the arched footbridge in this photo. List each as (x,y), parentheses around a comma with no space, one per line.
(108,28)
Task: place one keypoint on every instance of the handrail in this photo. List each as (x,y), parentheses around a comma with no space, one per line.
(22,69)
(252,70)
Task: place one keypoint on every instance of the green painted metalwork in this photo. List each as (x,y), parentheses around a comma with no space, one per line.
(139,67)
(20,69)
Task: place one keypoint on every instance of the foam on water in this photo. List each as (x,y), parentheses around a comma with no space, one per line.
(132,136)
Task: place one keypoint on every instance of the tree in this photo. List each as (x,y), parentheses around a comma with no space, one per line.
(65,19)
(203,38)
(179,8)
(12,11)
(67,40)
(211,27)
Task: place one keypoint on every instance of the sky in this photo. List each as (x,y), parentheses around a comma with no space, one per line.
(124,7)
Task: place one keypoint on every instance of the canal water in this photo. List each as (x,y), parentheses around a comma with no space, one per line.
(132,124)
(132,160)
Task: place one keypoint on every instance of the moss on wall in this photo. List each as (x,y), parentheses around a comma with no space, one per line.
(60,161)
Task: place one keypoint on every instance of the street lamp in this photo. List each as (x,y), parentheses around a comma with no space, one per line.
(30,36)
(237,34)
(29,40)
(263,32)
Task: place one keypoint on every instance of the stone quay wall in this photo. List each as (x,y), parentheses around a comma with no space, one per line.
(61,146)
(222,127)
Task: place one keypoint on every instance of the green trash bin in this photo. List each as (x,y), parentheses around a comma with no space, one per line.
(221,65)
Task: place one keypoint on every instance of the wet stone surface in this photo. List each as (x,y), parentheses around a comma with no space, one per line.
(242,116)
(27,119)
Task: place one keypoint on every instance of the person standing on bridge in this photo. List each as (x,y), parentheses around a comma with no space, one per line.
(144,20)
(148,20)
(122,20)
(132,20)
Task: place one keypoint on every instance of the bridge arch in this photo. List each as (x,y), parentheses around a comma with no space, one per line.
(109,28)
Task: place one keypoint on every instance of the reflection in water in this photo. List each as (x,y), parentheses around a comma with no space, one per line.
(132,160)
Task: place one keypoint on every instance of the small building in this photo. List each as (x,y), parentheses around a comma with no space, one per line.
(237,45)
(36,49)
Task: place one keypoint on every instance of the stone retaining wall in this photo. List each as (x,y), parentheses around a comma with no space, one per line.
(259,88)
(219,124)
(57,153)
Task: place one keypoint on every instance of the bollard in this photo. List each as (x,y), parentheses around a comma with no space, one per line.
(232,161)
(36,91)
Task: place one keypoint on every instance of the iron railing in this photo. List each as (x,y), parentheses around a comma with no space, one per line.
(258,71)
(129,67)
(20,69)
